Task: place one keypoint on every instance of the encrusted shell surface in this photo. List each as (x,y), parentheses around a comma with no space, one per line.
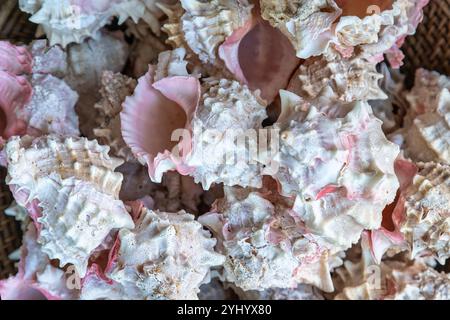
(263,245)
(30,159)
(427,202)
(115,88)
(342,165)
(167,256)
(227,114)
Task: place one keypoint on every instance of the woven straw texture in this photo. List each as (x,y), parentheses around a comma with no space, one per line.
(427,49)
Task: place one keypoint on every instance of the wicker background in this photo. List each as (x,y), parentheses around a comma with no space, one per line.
(427,49)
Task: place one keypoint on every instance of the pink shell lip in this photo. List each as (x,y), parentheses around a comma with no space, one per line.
(18,288)
(260,56)
(14,59)
(153,113)
(15,92)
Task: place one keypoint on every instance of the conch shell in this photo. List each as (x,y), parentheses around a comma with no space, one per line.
(167,256)
(263,245)
(343,165)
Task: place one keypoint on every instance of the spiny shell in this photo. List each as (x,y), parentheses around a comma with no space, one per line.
(427,203)
(227,113)
(349,79)
(167,256)
(31,159)
(335,165)
(75,217)
(115,88)
(70,21)
(263,245)
(201,27)
(36,278)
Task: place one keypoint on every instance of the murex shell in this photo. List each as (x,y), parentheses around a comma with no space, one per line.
(375,27)
(263,245)
(70,21)
(71,191)
(208,123)
(427,202)
(335,165)
(167,256)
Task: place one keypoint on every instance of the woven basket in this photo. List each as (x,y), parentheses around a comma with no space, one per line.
(428,48)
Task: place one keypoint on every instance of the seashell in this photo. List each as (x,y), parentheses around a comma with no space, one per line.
(86,63)
(306,24)
(184,256)
(31,159)
(373,27)
(48,59)
(74,219)
(301,292)
(144,111)
(349,79)
(51,109)
(335,165)
(263,245)
(215,290)
(70,21)
(14,59)
(224,35)
(427,216)
(115,88)
(228,112)
(36,279)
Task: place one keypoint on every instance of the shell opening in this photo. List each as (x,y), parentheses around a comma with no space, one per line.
(387,221)
(363,8)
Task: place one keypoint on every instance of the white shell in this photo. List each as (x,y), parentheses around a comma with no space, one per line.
(343,165)
(75,219)
(263,245)
(167,256)
(427,203)
(227,113)
(30,159)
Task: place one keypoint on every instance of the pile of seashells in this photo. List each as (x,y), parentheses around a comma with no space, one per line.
(163,149)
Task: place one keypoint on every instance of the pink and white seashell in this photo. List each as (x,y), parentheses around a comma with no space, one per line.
(335,165)
(167,256)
